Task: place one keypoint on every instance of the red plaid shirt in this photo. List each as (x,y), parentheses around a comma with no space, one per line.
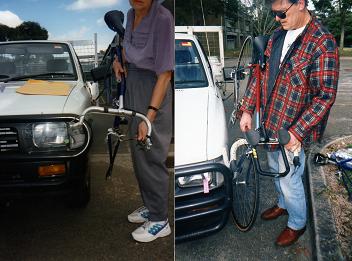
(305,88)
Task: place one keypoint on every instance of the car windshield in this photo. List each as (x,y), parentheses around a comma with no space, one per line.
(47,61)
(189,71)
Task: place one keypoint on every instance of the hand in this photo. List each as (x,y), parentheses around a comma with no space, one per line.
(294,144)
(246,122)
(116,65)
(142,131)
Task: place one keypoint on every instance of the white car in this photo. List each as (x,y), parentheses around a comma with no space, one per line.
(201,146)
(42,90)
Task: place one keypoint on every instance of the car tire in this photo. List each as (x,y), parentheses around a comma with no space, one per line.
(80,195)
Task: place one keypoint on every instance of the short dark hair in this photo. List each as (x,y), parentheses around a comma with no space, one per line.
(295,1)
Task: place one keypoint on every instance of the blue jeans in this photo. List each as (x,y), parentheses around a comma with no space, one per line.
(290,188)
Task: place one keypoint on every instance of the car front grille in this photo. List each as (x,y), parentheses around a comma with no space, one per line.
(8,140)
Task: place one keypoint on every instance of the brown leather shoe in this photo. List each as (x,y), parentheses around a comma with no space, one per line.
(289,236)
(273,213)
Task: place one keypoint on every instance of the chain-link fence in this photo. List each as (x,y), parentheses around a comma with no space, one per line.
(86,52)
(210,42)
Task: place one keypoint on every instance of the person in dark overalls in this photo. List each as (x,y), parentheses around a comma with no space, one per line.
(148,64)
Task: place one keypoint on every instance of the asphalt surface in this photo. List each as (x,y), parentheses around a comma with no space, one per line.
(45,229)
(258,244)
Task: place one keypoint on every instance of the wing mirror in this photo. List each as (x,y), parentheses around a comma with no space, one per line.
(100,73)
(228,73)
(94,90)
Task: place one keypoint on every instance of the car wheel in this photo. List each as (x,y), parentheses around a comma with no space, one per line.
(80,195)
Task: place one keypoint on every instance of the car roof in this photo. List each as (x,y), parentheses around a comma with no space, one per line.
(185,36)
(36,41)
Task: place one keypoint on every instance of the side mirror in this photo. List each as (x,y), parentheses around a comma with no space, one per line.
(94,90)
(241,73)
(100,73)
(227,73)
(88,76)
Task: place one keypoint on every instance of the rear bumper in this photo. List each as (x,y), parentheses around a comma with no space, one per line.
(198,214)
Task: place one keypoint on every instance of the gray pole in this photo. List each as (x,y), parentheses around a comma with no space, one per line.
(95,50)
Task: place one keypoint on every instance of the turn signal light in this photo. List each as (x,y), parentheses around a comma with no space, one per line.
(51,170)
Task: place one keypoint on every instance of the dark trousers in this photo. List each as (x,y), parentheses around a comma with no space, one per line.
(149,166)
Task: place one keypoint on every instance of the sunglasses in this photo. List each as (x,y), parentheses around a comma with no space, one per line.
(280,14)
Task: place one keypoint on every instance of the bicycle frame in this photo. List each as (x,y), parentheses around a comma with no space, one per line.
(262,140)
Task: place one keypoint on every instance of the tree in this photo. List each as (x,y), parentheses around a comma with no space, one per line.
(25,31)
(260,11)
(232,9)
(336,10)
(5,32)
(189,12)
(31,31)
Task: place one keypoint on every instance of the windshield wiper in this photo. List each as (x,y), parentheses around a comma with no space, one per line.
(4,76)
(35,75)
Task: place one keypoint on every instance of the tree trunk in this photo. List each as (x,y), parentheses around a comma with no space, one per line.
(342,37)
(342,30)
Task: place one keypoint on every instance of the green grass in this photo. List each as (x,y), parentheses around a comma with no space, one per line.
(346,52)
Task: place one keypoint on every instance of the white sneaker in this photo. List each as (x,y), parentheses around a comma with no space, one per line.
(150,231)
(140,215)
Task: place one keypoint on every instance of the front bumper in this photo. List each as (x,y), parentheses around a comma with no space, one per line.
(18,178)
(198,214)
(19,166)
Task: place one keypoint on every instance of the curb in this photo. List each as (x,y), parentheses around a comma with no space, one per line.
(326,244)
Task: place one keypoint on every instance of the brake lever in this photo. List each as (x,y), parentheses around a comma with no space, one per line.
(145,144)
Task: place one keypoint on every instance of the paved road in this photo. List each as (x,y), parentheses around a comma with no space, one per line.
(258,244)
(46,230)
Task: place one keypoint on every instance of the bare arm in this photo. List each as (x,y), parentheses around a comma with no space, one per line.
(117,67)
(158,96)
(159,93)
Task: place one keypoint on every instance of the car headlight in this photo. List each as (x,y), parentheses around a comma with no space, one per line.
(215,179)
(56,135)
(194,180)
(50,134)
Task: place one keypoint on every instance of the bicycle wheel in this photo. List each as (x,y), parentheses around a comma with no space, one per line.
(245,188)
(243,72)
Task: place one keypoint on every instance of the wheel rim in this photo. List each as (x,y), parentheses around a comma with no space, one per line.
(244,59)
(245,195)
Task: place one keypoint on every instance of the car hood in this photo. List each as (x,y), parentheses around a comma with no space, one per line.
(13,103)
(191,121)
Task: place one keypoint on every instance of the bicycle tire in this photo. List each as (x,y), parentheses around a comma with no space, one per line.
(245,58)
(245,188)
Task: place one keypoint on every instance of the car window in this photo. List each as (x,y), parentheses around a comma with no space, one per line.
(21,59)
(189,70)
(207,61)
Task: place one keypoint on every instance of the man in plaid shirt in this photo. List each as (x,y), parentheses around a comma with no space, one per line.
(299,86)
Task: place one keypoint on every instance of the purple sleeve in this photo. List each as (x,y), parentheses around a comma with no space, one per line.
(164,45)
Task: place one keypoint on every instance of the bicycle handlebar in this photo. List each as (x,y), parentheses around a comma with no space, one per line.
(118,112)
(253,139)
